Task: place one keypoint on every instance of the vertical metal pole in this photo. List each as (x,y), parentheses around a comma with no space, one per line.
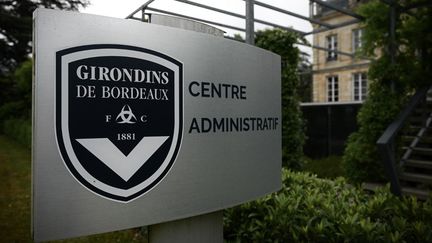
(387,152)
(250,21)
(392,47)
(197,229)
(204,228)
(329,130)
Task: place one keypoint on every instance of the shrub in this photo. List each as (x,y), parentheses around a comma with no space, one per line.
(309,209)
(19,130)
(23,79)
(329,167)
(15,111)
(16,103)
(12,109)
(361,160)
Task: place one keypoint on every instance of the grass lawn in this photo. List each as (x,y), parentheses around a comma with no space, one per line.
(15,199)
(328,168)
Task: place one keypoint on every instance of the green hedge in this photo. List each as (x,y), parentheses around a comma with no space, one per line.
(308,209)
(19,130)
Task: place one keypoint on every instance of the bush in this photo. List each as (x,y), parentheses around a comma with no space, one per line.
(19,130)
(361,160)
(17,95)
(329,167)
(15,111)
(309,209)
(12,109)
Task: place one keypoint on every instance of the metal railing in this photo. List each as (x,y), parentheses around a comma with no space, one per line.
(250,20)
(387,142)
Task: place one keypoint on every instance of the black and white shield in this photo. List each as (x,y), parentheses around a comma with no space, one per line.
(119,117)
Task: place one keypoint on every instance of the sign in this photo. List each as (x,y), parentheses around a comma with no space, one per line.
(138,124)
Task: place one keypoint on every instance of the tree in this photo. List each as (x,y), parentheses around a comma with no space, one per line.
(16,28)
(394,76)
(15,64)
(293,137)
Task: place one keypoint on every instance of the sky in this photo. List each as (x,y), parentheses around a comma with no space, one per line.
(122,8)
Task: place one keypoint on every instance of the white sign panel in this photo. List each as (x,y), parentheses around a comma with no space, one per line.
(138,124)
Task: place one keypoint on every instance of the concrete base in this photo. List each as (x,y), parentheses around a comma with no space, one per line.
(204,228)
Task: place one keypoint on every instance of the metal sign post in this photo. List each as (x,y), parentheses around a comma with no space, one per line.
(203,228)
(250,22)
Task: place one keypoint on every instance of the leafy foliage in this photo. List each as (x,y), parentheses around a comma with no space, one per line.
(17,101)
(15,66)
(391,82)
(308,209)
(15,114)
(328,167)
(16,28)
(293,137)
(413,41)
(19,130)
(362,161)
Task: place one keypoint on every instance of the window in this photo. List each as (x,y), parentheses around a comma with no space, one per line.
(359,86)
(357,36)
(332,89)
(332,47)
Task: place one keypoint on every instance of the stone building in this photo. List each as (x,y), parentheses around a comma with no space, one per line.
(337,77)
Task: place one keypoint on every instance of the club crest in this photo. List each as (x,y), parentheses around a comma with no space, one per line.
(119,117)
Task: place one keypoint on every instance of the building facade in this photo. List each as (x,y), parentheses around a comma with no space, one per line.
(338,77)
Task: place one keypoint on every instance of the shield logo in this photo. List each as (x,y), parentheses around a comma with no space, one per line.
(119,117)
